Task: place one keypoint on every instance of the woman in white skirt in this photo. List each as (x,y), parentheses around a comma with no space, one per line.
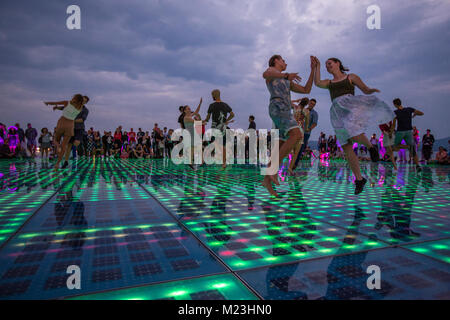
(352,116)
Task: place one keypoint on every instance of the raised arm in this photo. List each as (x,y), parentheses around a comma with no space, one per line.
(418,113)
(361,85)
(59,103)
(307,88)
(272,73)
(317,81)
(199,105)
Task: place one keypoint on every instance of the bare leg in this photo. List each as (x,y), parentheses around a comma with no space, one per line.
(352,160)
(295,155)
(295,135)
(391,156)
(62,151)
(68,150)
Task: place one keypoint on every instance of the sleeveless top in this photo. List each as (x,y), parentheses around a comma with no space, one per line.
(70,112)
(189,126)
(280,90)
(341,88)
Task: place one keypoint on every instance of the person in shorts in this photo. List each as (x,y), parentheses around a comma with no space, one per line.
(65,125)
(221,114)
(403,119)
(280,85)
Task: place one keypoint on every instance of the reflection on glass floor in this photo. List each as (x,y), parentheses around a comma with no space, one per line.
(146,229)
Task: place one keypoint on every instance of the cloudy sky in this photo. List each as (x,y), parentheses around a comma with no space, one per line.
(139,60)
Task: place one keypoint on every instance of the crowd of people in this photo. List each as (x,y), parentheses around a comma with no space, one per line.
(17,143)
(157,144)
(352,116)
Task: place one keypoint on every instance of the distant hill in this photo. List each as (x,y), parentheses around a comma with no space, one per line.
(441,142)
(437,143)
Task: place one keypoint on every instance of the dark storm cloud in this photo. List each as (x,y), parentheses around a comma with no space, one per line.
(139,60)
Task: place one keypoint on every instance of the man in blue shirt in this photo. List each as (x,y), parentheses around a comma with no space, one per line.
(310,123)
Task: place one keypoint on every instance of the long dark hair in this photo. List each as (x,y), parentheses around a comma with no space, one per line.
(341,66)
(304,102)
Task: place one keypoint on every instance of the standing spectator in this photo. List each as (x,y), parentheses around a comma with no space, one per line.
(90,143)
(3,133)
(140,135)
(31,135)
(45,141)
(427,146)
(13,138)
(105,142)
(132,138)
(169,143)
(97,144)
(125,138)
(374,142)
(109,143)
(252,124)
(147,140)
(322,143)
(164,142)
(157,138)
(118,136)
(21,133)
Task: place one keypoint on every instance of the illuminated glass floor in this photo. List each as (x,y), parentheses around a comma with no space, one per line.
(147,229)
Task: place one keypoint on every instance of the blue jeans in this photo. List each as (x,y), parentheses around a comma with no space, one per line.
(303,147)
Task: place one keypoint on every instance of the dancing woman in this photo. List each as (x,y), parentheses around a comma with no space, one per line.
(65,126)
(280,86)
(352,116)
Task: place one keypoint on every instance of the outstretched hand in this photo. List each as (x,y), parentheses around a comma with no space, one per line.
(313,62)
(317,61)
(374,90)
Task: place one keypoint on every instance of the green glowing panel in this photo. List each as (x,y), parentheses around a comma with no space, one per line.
(436,249)
(220,287)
